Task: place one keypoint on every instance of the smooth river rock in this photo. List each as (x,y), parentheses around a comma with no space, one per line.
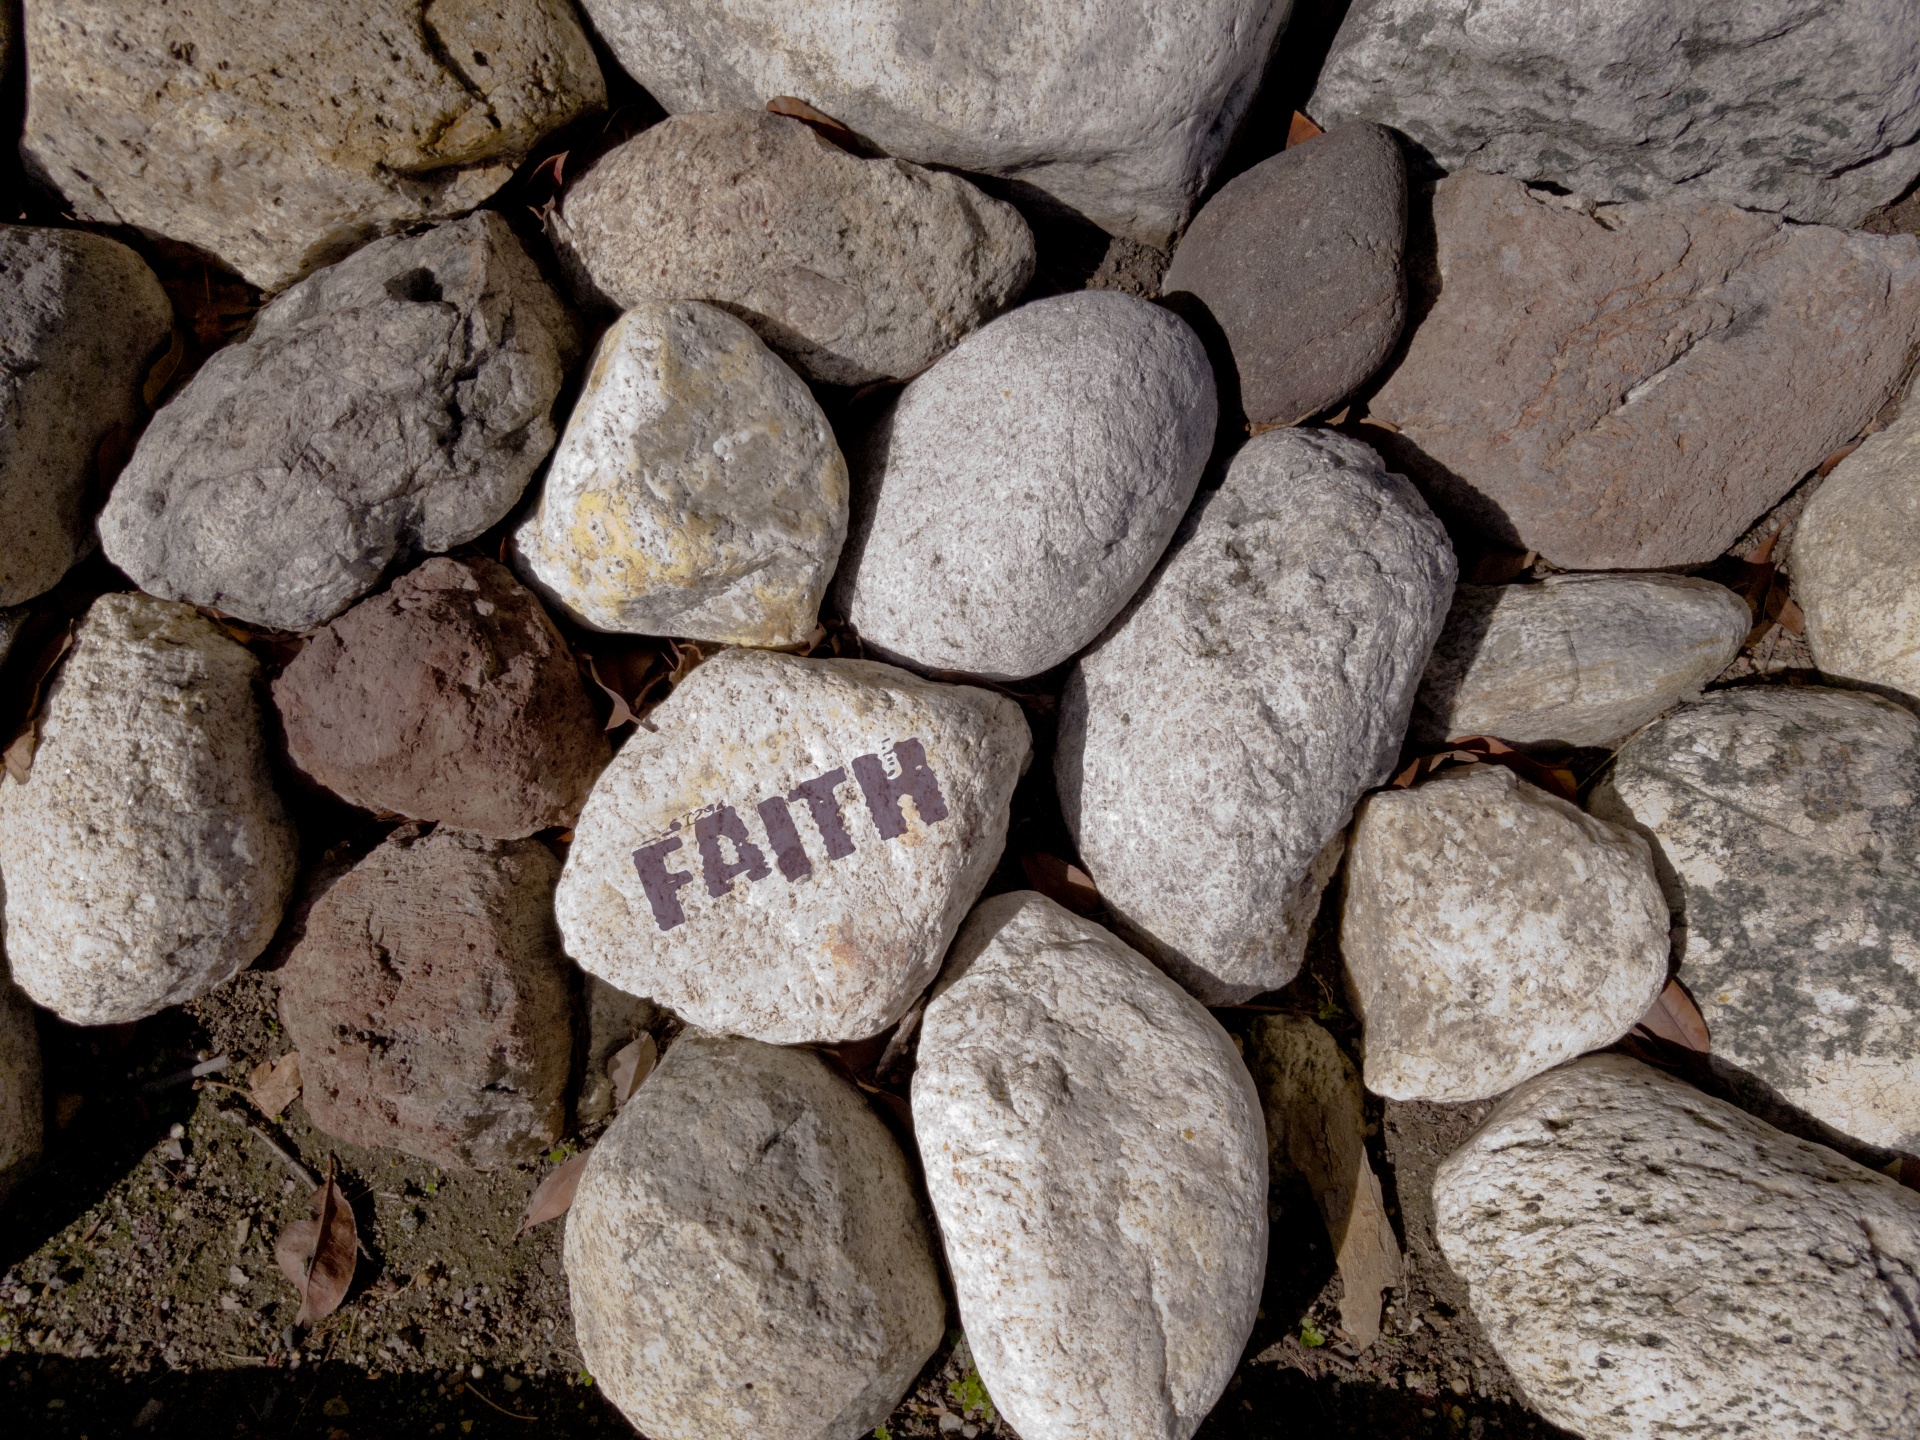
(146,857)
(21,1115)
(1097,1161)
(854,270)
(1021,490)
(746,1254)
(1213,743)
(1651,1262)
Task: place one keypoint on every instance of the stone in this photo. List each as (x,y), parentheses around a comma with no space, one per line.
(1118,113)
(146,856)
(1809,110)
(1298,265)
(392,405)
(1096,1158)
(431,1002)
(449,697)
(1629,388)
(279,139)
(1490,931)
(1022,489)
(1214,742)
(854,270)
(80,318)
(787,846)
(1575,659)
(698,491)
(21,1123)
(1649,1261)
(746,1253)
(615,1020)
(13,624)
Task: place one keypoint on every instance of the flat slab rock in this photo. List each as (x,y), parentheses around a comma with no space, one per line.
(1649,1261)
(1213,743)
(146,858)
(786,848)
(21,1112)
(391,405)
(1640,383)
(280,138)
(746,1253)
(1097,1161)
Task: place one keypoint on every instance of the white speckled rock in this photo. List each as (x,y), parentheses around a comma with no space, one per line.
(1786,827)
(21,1122)
(786,847)
(1490,931)
(1213,744)
(1022,489)
(147,857)
(697,492)
(853,270)
(746,1254)
(1581,659)
(1098,1164)
(1653,1263)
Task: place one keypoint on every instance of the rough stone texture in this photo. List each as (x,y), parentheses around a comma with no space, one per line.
(784,850)
(1786,105)
(1651,1262)
(1631,388)
(854,270)
(746,1253)
(1490,931)
(1213,744)
(1095,1154)
(431,1002)
(146,857)
(1119,112)
(1023,488)
(450,697)
(698,490)
(1580,659)
(80,317)
(1785,823)
(20,1099)
(393,404)
(1298,265)
(280,137)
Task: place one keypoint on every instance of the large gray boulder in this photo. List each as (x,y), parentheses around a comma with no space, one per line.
(1652,1262)
(81,317)
(394,404)
(1097,1161)
(1213,743)
(21,1116)
(280,137)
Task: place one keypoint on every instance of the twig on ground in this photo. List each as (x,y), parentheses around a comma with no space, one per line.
(510,1414)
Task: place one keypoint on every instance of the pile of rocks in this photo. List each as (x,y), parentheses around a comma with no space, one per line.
(1220,526)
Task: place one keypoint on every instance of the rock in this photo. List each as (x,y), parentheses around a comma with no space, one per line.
(1298,265)
(615,1020)
(1774,105)
(1649,1261)
(1118,113)
(1642,382)
(146,857)
(1095,1155)
(1212,745)
(20,1100)
(450,697)
(1577,659)
(1784,823)
(280,140)
(1490,931)
(1023,488)
(391,405)
(431,1002)
(840,817)
(746,1253)
(853,270)
(13,624)
(698,490)
(80,317)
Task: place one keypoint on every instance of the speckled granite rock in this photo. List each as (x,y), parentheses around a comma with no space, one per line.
(21,1120)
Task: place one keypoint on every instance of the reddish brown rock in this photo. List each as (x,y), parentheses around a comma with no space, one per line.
(431,1002)
(450,697)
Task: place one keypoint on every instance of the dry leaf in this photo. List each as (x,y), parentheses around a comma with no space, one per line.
(1485,749)
(1826,466)
(1674,1018)
(1300,129)
(275,1084)
(630,1065)
(318,1254)
(19,756)
(554,1195)
(1060,882)
(795,108)
(622,713)
(163,369)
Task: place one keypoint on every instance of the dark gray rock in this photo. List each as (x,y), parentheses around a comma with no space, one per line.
(20,1096)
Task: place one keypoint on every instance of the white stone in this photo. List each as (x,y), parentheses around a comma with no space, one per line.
(1097,1161)
(21,1123)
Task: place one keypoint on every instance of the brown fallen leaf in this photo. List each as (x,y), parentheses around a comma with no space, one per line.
(275,1084)
(1674,1018)
(19,756)
(554,1195)
(795,108)
(1300,130)
(631,1064)
(1060,882)
(1827,466)
(1485,749)
(621,713)
(162,370)
(318,1254)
